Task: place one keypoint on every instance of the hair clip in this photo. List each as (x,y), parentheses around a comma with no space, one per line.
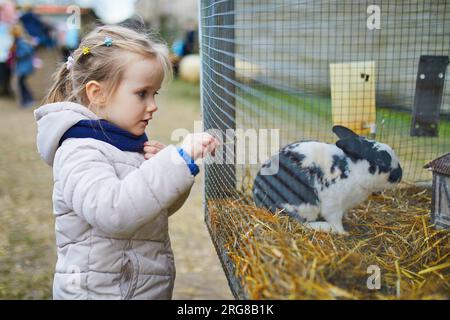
(69,63)
(108,42)
(86,51)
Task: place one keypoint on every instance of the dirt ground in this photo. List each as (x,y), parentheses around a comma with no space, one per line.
(27,248)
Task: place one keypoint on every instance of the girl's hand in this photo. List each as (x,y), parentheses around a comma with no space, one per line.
(198,145)
(151,148)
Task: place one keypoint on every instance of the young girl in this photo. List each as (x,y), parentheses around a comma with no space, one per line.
(114,190)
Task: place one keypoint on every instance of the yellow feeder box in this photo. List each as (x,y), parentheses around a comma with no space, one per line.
(353,96)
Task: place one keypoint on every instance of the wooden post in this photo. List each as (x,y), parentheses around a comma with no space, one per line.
(353,96)
(428,97)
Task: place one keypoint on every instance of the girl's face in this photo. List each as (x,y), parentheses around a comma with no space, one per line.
(132,106)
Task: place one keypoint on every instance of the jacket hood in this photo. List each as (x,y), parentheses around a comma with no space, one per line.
(53,121)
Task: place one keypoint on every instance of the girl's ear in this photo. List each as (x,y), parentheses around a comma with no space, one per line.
(95,93)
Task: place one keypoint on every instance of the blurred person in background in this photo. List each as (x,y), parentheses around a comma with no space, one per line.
(184,46)
(71,42)
(22,56)
(36,28)
(68,39)
(6,42)
(8,17)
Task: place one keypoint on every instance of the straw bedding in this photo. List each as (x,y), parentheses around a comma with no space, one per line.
(274,257)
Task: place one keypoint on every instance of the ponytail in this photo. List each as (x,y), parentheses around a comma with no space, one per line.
(99,57)
(62,87)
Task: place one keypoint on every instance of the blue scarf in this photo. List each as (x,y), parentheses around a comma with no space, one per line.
(105,131)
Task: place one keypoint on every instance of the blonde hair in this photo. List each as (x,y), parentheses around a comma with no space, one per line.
(104,63)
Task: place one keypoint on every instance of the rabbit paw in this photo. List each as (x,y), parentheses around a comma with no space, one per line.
(323,226)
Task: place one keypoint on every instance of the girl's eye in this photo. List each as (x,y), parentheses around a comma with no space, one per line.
(142,94)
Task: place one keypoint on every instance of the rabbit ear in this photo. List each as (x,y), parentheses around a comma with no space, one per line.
(352,147)
(360,148)
(343,132)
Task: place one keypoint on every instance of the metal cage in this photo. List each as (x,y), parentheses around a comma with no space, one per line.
(294,68)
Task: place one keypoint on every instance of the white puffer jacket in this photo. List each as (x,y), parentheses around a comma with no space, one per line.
(111,209)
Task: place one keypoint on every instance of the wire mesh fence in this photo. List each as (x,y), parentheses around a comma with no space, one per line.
(284,71)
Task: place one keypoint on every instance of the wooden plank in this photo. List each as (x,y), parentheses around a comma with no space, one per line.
(353,96)
(440,211)
(428,96)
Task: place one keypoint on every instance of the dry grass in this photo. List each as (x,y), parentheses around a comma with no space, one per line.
(277,258)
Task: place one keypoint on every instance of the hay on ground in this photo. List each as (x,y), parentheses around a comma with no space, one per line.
(274,257)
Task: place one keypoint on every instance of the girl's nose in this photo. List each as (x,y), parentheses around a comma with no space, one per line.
(151,107)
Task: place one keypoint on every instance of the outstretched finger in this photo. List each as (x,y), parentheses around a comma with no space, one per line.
(156,144)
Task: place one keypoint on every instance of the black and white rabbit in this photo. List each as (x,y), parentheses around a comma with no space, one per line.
(310,180)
